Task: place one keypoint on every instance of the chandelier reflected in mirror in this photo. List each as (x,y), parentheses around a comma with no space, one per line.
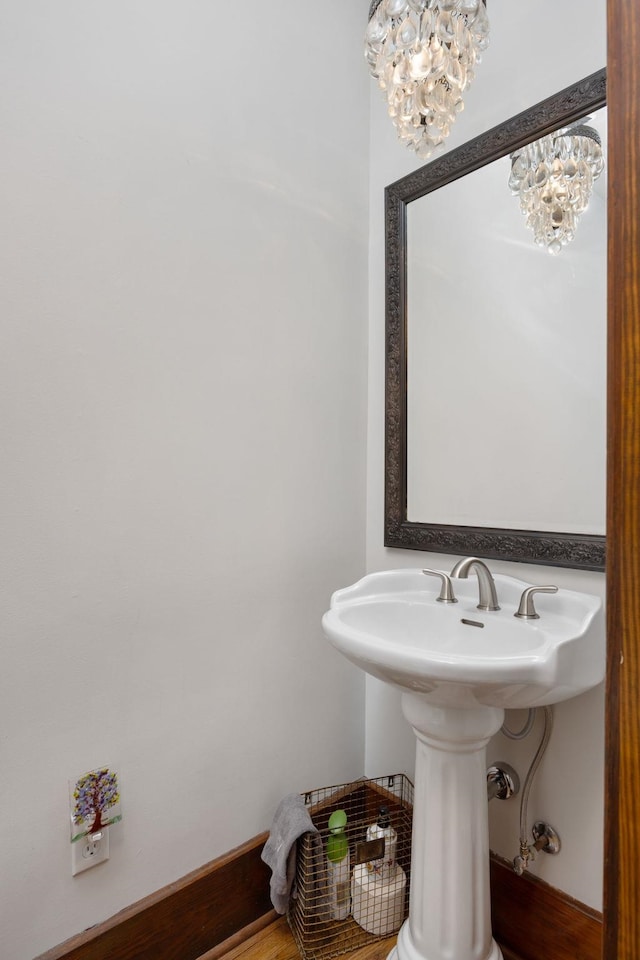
(554,177)
(423,54)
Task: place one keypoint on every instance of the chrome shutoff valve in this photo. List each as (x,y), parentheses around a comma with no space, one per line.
(545,838)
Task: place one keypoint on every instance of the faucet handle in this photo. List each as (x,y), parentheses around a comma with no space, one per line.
(446,590)
(526,610)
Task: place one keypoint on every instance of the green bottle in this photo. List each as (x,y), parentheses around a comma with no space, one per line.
(338,867)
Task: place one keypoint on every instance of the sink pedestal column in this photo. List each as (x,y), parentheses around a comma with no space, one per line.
(449,908)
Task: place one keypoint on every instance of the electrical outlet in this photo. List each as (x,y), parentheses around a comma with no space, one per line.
(87,853)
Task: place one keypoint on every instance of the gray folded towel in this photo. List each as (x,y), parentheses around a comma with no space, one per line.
(291,820)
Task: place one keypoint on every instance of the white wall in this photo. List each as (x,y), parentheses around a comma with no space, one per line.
(532,55)
(184,252)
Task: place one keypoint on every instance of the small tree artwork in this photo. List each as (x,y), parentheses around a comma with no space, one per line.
(95,799)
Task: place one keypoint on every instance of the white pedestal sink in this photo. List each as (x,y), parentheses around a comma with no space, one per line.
(458,668)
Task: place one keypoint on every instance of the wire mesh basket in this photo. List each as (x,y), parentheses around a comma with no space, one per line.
(330,915)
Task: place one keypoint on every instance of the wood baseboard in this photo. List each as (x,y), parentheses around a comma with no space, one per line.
(534,921)
(185,919)
(212,910)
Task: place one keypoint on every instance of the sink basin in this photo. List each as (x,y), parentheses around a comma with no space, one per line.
(391,625)
(457,678)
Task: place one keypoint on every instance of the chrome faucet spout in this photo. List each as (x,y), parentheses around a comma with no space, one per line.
(488,598)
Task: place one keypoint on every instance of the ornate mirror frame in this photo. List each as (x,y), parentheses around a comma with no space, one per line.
(586,552)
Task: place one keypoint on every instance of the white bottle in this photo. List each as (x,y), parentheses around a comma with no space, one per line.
(338,867)
(384,868)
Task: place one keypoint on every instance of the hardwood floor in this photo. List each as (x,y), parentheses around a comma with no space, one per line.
(275,942)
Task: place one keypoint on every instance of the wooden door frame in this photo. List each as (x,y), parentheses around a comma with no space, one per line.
(622,830)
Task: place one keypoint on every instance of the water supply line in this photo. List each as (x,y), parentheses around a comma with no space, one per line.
(527,850)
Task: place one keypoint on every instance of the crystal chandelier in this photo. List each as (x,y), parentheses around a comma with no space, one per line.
(554,178)
(423,54)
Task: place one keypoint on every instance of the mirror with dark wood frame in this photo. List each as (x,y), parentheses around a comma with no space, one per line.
(543,546)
